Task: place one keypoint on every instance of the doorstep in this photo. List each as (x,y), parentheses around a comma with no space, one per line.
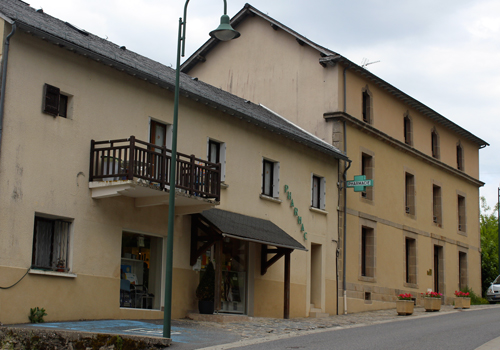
(219,318)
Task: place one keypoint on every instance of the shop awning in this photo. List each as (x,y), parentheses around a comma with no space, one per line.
(251,229)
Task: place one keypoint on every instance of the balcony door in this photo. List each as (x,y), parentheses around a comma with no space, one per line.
(160,134)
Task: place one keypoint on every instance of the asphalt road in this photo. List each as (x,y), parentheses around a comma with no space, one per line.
(456,331)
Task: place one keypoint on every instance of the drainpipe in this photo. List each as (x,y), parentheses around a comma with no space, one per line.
(4,78)
(344,177)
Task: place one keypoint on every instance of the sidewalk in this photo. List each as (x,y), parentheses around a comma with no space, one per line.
(259,327)
(188,334)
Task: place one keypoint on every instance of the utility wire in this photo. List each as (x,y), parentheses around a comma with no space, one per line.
(29,268)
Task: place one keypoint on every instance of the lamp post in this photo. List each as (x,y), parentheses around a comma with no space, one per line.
(224,33)
(498,217)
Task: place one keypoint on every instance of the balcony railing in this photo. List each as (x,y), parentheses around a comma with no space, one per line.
(132,159)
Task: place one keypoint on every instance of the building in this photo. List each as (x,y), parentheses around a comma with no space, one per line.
(417,228)
(84,158)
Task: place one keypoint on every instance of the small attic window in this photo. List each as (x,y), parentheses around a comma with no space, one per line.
(81,31)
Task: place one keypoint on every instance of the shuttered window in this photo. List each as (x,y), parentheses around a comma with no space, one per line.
(54,103)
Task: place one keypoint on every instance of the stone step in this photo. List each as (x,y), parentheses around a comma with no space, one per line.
(316,313)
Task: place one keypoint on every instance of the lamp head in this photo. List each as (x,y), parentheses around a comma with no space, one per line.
(224,32)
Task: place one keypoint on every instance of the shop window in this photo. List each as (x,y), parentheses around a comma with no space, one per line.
(318,192)
(270,178)
(217,154)
(411,260)
(55,103)
(51,242)
(141,262)
(461,214)
(367,170)
(409,194)
(367,252)
(437,216)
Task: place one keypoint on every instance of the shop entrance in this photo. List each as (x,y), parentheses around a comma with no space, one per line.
(140,282)
(234,276)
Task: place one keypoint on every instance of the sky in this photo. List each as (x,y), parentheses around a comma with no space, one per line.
(444,53)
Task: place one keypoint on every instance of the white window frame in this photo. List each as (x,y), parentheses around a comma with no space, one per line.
(322,191)
(276,178)
(222,156)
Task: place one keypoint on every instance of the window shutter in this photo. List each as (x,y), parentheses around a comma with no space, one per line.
(323,198)
(223,161)
(51,100)
(276,180)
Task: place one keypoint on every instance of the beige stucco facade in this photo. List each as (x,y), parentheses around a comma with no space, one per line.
(44,172)
(411,214)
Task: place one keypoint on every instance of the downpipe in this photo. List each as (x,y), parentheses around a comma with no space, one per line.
(4,79)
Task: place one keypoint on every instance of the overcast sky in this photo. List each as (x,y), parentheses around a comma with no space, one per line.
(444,53)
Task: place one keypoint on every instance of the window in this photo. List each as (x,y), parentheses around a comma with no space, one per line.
(140,271)
(367,170)
(436,205)
(411,260)
(409,194)
(270,178)
(461,214)
(367,252)
(462,270)
(51,244)
(408,134)
(367,106)
(460,157)
(55,103)
(217,154)
(435,143)
(318,192)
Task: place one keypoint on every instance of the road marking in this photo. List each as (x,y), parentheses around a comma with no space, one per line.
(157,331)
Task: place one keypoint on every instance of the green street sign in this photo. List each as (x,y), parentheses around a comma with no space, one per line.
(359,183)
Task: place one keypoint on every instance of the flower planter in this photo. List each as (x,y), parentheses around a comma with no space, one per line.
(404,307)
(462,303)
(432,304)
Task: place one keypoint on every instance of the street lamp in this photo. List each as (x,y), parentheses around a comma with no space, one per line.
(224,33)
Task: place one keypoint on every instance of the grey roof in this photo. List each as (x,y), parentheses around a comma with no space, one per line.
(250,229)
(329,56)
(81,42)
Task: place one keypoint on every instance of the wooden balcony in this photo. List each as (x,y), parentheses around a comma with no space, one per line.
(138,169)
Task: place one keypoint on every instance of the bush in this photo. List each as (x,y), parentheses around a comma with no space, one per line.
(36,315)
(474,298)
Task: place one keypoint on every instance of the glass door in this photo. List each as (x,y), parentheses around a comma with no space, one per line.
(234,276)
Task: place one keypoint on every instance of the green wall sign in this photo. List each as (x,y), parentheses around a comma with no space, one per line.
(360,183)
(295,211)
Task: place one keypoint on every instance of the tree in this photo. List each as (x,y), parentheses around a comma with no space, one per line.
(489,244)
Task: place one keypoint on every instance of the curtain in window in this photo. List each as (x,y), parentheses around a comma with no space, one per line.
(51,243)
(43,243)
(61,235)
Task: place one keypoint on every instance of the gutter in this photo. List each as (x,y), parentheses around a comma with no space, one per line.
(4,78)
